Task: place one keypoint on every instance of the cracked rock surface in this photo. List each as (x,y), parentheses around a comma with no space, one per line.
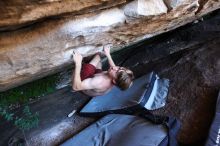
(38,37)
(188,56)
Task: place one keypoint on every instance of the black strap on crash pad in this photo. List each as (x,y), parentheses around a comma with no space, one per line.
(171,123)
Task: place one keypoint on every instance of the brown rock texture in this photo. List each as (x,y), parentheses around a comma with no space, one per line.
(44,48)
(194,72)
(194,76)
(194,89)
(188,56)
(17,13)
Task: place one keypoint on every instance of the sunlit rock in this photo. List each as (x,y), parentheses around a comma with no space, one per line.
(139,8)
(45,48)
(18,13)
(173,4)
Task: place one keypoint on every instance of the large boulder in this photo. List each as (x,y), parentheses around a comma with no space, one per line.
(44,48)
(194,83)
(192,67)
(195,80)
(18,13)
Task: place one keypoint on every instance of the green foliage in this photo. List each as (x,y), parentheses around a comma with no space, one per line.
(26,122)
(22,94)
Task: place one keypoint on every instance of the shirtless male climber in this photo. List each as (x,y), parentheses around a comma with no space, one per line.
(91,80)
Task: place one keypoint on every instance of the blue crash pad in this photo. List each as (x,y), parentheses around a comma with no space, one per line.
(214,132)
(120,130)
(148,91)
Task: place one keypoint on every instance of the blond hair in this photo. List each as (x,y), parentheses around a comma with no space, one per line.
(124,79)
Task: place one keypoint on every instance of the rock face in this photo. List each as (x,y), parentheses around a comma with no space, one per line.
(44,48)
(194,84)
(194,73)
(15,13)
(188,56)
(194,88)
